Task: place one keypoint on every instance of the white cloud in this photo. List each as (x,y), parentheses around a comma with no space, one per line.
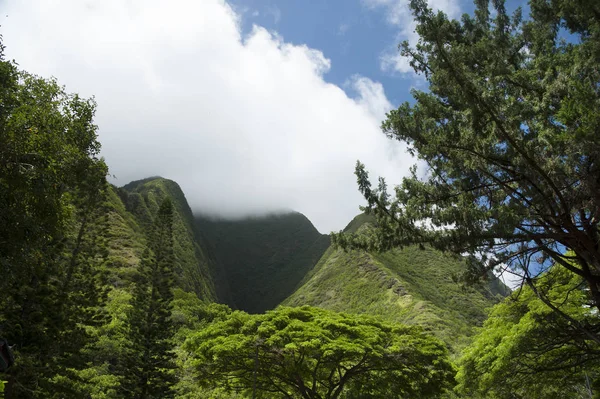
(342,29)
(393,61)
(398,13)
(245,124)
(371,96)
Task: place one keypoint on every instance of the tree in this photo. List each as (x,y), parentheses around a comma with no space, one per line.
(191,314)
(525,350)
(51,179)
(509,132)
(315,353)
(150,369)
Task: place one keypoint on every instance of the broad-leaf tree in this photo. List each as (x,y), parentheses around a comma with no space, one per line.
(526,350)
(314,353)
(191,314)
(509,132)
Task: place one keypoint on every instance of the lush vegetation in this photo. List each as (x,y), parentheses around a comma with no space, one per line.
(264,258)
(527,350)
(508,129)
(149,369)
(415,286)
(194,267)
(51,187)
(86,293)
(107,290)
(110,292)
(312,353)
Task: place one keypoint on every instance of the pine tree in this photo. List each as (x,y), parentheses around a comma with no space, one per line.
(151,364)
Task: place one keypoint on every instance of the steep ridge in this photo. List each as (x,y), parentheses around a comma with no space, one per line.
(264,258)
(195,269)
(415,286)
(259,263)
(123,238)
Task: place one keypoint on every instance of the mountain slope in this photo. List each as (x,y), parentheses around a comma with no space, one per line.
(255,264)
(264,258)
(194,267)
(124,240)
(412,285)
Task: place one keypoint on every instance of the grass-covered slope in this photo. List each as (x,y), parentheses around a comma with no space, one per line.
(123,238)
(412,285)
(264,258)
(193,265)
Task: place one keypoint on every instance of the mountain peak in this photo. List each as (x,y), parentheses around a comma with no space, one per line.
(358,222)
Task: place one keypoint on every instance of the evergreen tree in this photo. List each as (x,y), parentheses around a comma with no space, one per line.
(50,182)
(509,131)
(151,364)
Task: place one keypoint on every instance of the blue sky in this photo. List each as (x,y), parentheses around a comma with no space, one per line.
(347,33)
(353,34)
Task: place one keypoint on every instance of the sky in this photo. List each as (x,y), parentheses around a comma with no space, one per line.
(252,106)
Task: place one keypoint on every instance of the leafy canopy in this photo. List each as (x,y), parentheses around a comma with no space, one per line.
(508,131)
(526,350)
(315,353)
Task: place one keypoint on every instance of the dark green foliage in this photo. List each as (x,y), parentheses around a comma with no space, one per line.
(509,133)
(106,354)
(412,286)
(149,372)
(318,354)
(264,258)
(526,350)
(102,286)
(51,186)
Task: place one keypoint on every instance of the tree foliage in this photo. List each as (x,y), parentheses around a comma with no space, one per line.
(526,350)
(150,368)
(509,134)
(51,181)
(191,314)
(314,353)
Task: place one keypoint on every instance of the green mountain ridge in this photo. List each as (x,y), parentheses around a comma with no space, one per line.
(258,263)
(255,264)
(195,270)
(264,258)
(412,285)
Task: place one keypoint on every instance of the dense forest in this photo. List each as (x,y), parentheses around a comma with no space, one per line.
(124,292)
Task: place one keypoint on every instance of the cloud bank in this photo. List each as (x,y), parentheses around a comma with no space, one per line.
(246,124)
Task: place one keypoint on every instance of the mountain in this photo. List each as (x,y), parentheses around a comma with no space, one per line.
(412,285)
(251,264)
(196,271)
(264,258)
(256,264)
